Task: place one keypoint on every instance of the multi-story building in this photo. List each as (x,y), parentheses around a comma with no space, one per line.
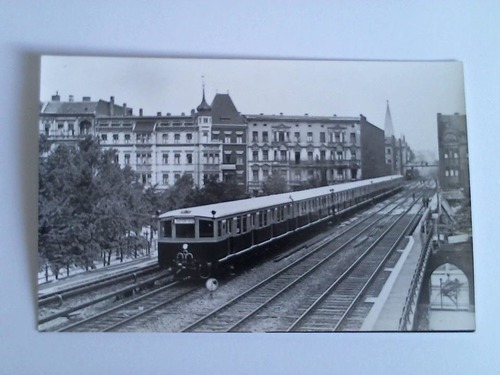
(69,121)
(398,154)
(302,148)
(453,152)
(216,140)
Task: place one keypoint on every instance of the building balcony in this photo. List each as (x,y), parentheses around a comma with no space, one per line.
(228,167)
(346,163)
(211,168)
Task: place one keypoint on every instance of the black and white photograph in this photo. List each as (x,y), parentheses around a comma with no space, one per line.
(253,195)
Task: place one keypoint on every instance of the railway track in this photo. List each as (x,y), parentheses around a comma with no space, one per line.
(118,316)
(74,301)
(251,308)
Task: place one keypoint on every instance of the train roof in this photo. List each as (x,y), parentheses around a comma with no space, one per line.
(233,208)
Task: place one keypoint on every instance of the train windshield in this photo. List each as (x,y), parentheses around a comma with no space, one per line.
(184,228)
(166,229)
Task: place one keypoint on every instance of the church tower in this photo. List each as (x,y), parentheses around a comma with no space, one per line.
(388,128)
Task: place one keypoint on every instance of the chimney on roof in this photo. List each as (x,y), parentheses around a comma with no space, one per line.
(281,113)
(71,98)
(192,112)
(56,97)
(183,114)
(140,111)
(86,99)
(112,106)
(307,114)
(169,114)
(158,114)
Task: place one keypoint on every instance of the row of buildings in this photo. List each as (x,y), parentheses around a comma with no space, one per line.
(217,140)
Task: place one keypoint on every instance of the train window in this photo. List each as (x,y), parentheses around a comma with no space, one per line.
(252,220)
(206,228)
(184,230)
(166,229)
(244,224)
(238,224)
(264,218)
(219,228)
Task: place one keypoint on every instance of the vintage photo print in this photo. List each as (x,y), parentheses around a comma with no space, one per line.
(231,195)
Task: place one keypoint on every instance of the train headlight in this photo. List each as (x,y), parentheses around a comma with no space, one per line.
(185,246)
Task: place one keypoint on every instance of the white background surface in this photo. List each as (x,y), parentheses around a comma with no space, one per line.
(425,30)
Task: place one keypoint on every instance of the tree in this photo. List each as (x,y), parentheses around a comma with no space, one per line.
(88,207)
(215,191)
(275,184)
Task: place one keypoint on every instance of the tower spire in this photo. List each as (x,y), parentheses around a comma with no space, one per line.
(203,107)
(388,128)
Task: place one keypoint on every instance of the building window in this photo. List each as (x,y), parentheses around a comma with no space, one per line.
(309,156)
(164,138)
(283,155)
(215,137)
(322,155)
(205,137)
(239,160)
(177,159)
(281,136)
(297,175)
(265,136)
(117,159)
(255,175)
(255,155)
(227,139)
(337,137)
(227,158)
(177,138)
(165,158)
(127,159)
(255,136)
(143,137)
(353,155)
(189,158)
(353,138)
(265,155)
(239,139)
(322,137)
(115,138)
(189,137)
(309,137)
(297,136)
(340,156)
(265,174)
(165,178)
(104,137)
(127,138)
(177,176)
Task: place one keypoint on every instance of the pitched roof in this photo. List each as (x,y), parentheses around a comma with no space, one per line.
(224,111)
(100,107)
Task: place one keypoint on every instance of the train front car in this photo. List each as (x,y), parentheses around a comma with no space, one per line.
(187,242)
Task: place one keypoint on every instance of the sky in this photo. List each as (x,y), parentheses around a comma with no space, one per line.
(416,91)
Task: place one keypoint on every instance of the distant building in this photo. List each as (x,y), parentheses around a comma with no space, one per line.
(215,140)
(398,154)
(325,149)
(453,152)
